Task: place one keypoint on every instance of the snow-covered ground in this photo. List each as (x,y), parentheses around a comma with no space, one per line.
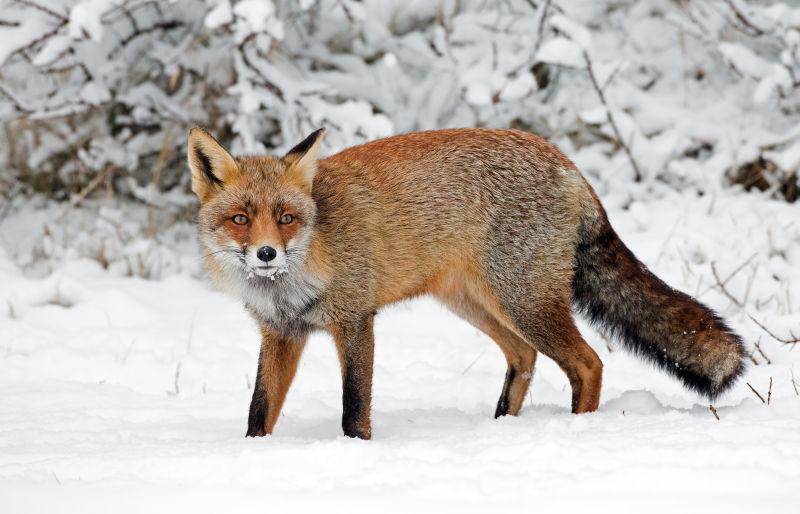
(125,394)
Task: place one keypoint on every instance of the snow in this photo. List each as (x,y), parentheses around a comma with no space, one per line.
(116,390)
(125,380)
(259,16)
(52,50)
(575,32)
(220,15)
(85,18)
(563,52)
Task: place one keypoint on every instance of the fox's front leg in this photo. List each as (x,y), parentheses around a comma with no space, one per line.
(277,364)
(355,346)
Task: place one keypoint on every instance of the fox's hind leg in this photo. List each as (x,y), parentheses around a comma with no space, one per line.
(518,375)
(529,270)
(521,356)
(549,326)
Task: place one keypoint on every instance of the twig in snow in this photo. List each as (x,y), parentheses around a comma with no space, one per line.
(732,274)
(794,383)
(750,284)
(713,411)
(610,118)
(474,361)
(752,357)
(756,393)
(128,351)
(792,339)
(721,287)
(667,240)
(760,351)
(607,341)
(769,391)
(177,390)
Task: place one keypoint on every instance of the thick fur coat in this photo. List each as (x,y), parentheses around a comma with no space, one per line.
(496,224)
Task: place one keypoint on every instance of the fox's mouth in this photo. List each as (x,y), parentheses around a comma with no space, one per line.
(266,271)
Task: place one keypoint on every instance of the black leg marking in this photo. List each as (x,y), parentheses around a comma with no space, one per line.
(354,408)
(502,403)
(257,420)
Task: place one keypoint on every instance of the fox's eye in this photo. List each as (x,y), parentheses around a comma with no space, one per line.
(240,219)
(286,219)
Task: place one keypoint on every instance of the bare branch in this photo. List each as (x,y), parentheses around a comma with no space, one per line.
(91,186)
(756,393)
(176,387)
(610,118)
(755,31)
(247,62)
(732,274)
(14,101)
(44,9)
(769,392)
(474,361)
(752,358)
(760,351)
(721,287)
(713,411)
(792,339)
(38,40)
(540,30)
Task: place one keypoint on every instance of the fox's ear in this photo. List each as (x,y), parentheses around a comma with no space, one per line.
(301,161)
(210,163)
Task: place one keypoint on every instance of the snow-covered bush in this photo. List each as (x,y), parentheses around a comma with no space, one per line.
(686,92)
(96,96)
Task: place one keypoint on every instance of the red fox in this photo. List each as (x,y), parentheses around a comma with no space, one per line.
(496,224)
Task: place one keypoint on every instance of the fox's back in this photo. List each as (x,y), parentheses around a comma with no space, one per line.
(445,198)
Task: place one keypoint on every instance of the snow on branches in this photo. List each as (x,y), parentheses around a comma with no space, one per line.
(690,94)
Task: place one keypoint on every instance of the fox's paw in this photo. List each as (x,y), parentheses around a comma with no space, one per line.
(257,420)
(352,427)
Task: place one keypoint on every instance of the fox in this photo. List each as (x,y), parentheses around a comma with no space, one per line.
(496,224)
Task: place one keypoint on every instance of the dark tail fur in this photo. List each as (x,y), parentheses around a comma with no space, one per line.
(663,325)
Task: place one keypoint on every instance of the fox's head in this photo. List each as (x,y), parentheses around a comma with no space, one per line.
(256,213)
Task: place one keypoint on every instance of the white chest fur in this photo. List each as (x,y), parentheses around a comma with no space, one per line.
(287,300)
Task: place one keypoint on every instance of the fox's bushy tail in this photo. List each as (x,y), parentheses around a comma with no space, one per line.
(670,328)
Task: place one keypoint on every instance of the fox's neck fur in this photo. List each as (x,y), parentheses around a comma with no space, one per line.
(290,301)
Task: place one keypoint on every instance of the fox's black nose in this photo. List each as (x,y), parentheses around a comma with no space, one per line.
(266,253)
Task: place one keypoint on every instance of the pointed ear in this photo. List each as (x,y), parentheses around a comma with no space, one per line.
(301,161)
(210,163)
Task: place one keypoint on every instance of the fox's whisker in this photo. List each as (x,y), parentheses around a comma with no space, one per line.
(209,254)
